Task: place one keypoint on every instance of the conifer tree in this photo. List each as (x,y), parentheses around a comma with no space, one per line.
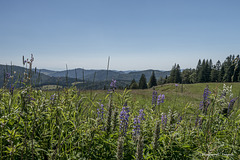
(152,81)
(229,68)
(178,78)
(143,82)
(175,75)
(214,74)
(172,77)
(198,70)
(133,84)
(221,74)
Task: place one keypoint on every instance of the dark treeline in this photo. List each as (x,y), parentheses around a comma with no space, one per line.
(206,71)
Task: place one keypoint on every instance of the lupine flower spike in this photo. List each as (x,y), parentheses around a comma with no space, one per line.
(124,115)
(137,124)
(113,85)
(206,101)
(160,99)
(230,105)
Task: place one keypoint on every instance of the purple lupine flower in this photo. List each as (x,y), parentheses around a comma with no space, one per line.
(223,94)
(180,119)
(206,101)
(113,84)
(124,115)
(137,122)
(164,120)
(230,105)
(141,114)
(206,94)
(52,98)
(154,98)
(136,126)
(100,111)
(30,98)
(8,75)
(160,99)
(176,85)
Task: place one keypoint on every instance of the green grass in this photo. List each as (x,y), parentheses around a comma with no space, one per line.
(34,124)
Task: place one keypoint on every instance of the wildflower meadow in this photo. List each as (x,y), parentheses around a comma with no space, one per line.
(172,121)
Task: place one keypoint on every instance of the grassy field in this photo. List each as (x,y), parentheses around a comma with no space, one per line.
(121,124)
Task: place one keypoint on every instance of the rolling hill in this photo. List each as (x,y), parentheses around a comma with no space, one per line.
(92,78)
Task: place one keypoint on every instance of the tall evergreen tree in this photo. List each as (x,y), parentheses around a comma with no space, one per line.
(172,77)
(218,65)
(175,74)
(178,78)
(133,84)
(153,81)
(166,79)
(193,76)
(221,74)
(161,81)
(143,82)
(198,70)
(229,68)
(236,69)
(214,74)
(207,70)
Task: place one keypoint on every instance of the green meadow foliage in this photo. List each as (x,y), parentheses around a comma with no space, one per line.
(169,122)
(120,124)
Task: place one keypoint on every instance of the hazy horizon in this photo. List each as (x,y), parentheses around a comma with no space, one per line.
(136,34)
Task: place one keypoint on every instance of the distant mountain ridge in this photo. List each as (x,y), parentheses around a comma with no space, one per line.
(102,75)
(93,78)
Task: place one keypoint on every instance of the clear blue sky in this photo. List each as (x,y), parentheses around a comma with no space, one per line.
(136,34)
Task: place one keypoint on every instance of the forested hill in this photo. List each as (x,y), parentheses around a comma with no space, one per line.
(102,75)
(48,77)
(206,71)
(38,79)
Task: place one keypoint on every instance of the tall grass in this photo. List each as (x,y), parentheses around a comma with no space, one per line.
(66,125)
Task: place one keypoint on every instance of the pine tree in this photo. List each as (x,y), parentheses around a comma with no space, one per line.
(142,82)
(152,81)
(133,84)
(236,69)
(221,74)
(172,77)
(166,79)
(229,68)
(214,74)
(186,74)
(218,65)
(207,70)
(161,81)
(178,78)
(202,70)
